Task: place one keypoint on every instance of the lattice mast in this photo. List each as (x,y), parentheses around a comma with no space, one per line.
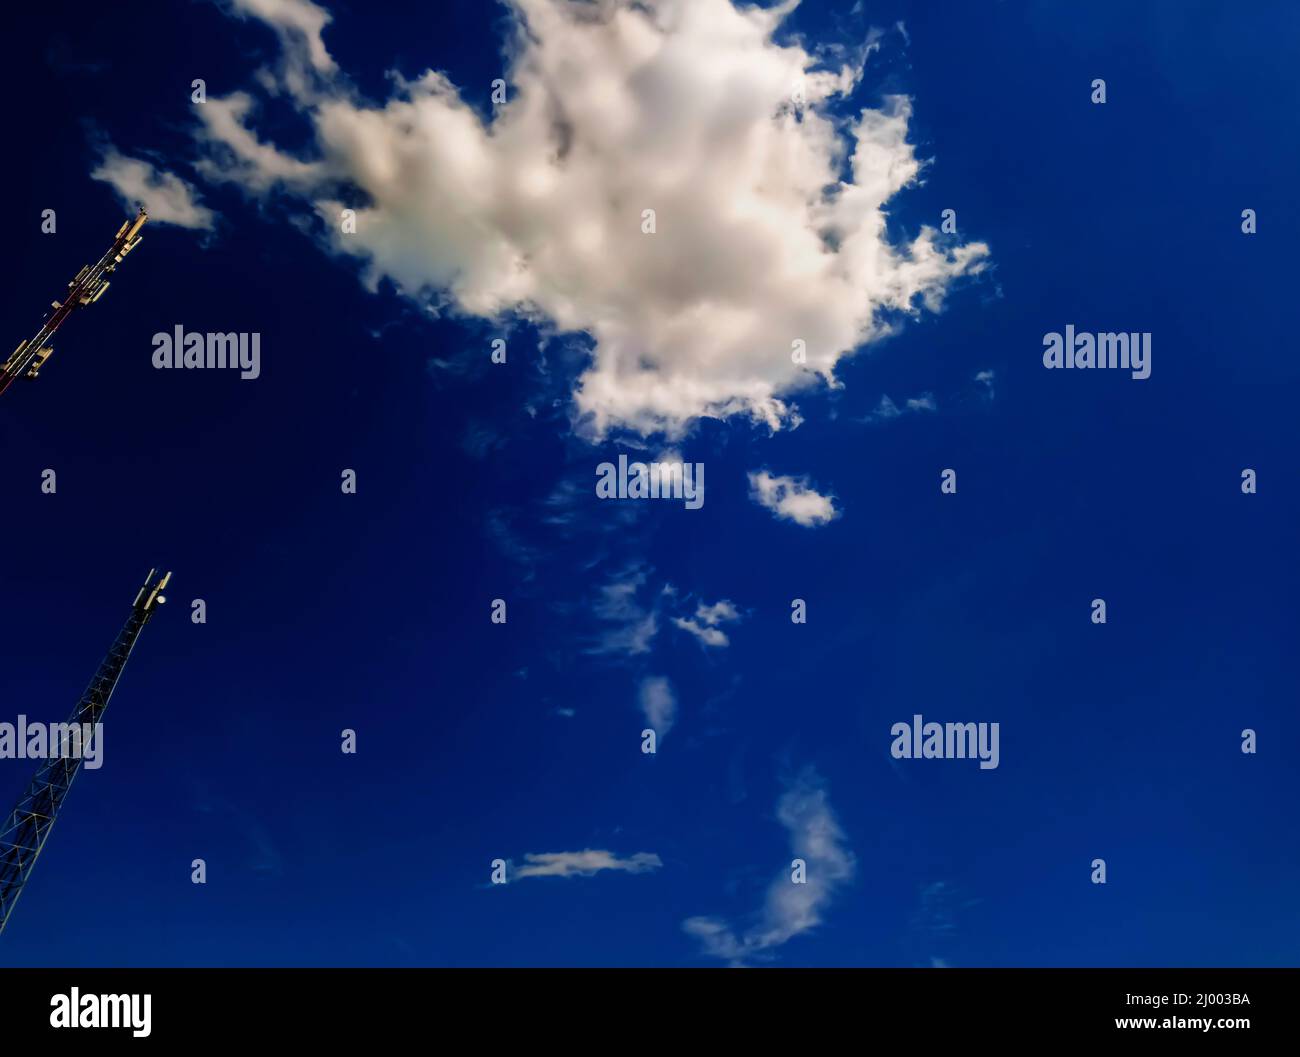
(28,827)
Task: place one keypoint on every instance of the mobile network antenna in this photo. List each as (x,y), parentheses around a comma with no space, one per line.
(87,287)
(27,828)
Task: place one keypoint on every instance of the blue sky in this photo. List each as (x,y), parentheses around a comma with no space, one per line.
(476,481)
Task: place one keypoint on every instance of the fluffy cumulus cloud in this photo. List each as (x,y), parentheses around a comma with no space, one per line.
(789,909)
(586,863)
(792,499)
(769,209)
(658,704)
(168,198)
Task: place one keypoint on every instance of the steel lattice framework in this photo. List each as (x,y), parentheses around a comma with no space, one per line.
(28,827)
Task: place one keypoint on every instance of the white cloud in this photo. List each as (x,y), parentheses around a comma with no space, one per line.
(770,211)
(792,499)
(789,909)
(630,608)
(586,863)
(242,158)
(718,612)
(298,22)
(708,636)
(704,625)
(887,409)
(168,198)
(658,704)
(630,625)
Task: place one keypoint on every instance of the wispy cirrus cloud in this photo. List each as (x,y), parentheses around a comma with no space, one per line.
(585,863)
(658,703)
(704,623)
(629,623)
(789,909)
(299,24)
(632,611)
(887,410)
